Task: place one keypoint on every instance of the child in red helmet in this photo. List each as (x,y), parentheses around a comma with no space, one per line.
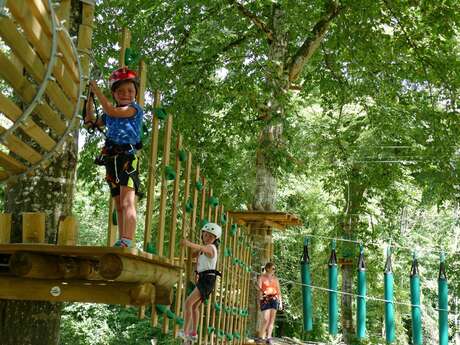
(123,122)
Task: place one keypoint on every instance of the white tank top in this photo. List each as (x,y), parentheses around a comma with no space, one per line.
(205,263)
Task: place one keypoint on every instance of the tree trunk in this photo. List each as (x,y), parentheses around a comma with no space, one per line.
(50,191)
(270,138)
(353,193)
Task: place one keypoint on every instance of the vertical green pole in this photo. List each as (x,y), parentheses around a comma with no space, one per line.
(443,303)
(361,300)
(415,301)
(389,309)
(333,308)
(306,288)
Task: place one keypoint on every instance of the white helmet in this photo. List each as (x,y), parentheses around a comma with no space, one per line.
(213,228)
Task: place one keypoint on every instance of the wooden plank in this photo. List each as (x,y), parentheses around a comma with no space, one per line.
(85,252)
(11,165)
(13,112)
(42,45)
(33,65)
(75,291)
(26,92)
(16,145)
(40,10)
(152,171)
(63,12)
(164,186)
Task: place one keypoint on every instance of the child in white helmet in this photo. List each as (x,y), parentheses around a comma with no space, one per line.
(206,271)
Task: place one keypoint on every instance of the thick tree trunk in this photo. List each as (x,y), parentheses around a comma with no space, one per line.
(270,138)
(51,192)
(353,194)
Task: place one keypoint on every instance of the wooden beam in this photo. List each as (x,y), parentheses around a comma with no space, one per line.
(68,231)
(77,291)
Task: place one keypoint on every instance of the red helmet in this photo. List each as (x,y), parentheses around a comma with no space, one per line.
(122,74)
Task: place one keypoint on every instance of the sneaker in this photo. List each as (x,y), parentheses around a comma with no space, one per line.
(192,338)
(123,243)
(269,341)
(182,335)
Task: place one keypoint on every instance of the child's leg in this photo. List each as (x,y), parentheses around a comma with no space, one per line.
(189,303)
(271,322)
(196,315)
(119,209)
(128,205)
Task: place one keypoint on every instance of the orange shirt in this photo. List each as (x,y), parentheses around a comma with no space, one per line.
(269,286)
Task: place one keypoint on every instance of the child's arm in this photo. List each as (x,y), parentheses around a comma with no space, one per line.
(199,248)
(109,108)
(91,121)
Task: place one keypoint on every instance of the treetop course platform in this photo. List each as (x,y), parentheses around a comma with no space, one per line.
(44,75)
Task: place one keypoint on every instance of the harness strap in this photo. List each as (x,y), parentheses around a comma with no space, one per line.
(209,272)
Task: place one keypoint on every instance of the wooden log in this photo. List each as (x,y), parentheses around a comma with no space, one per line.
(40,266)
(26,92)
(5,227)
(33,227)
(77,291)
(175,198)
(68,231)
(118,268)
(164,186)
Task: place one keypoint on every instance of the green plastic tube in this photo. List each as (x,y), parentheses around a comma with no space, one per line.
(443,303)
(361,299)
(416,311)
(306,288)
(389,309)
(332,284)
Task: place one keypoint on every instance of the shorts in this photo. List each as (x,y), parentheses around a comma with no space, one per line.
(269,302)
(205,284)
(122,170)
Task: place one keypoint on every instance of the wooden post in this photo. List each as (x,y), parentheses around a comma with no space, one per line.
(202,215)
(125,43)
(207,308)
(33,227)
(152,172)
(224,280)
(68,231)
(5,228)
(182,285)
(173,225)
(164,186)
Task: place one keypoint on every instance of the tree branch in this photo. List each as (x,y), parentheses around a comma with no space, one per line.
(312,43)
(257,21)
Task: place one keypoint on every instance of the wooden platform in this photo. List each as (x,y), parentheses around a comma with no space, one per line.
(85,274)
(277,220)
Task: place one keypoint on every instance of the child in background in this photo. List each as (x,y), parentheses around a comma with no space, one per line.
(206,270)
(123,122)
(270,301)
